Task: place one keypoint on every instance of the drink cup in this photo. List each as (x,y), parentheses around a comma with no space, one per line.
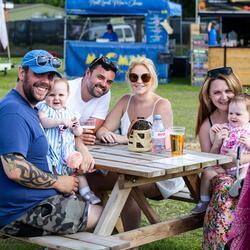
(177,140)
(88,124)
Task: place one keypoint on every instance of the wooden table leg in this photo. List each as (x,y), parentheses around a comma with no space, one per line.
(112,210)
(193,184)
(144,205)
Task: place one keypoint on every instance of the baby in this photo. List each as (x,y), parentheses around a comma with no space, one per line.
(61,125)
(236,134)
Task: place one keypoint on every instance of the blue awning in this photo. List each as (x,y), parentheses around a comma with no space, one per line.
(121,7)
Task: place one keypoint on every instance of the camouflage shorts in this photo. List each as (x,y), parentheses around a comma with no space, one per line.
(56,215)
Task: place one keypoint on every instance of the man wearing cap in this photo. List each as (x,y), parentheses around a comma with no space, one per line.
(32,199)
(110,34)
(90,95)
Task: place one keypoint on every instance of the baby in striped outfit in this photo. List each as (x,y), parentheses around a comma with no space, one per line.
(61,125)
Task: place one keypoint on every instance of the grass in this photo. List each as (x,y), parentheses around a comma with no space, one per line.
(184,99)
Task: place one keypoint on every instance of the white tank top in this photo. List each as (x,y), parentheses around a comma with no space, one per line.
(166,187)
(125,121)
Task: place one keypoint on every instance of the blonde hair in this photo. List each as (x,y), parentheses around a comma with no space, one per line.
(206,107)
(64,80)
(148,63)
(242,98)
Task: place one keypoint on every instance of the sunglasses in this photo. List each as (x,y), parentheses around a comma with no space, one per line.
(43,60)
(146,77)
(214,73)
(106,62)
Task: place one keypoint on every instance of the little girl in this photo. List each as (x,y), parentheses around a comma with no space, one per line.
(237,134)
(60,126)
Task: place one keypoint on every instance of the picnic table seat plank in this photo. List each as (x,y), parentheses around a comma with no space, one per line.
(183,195)
(111,242)
(162,230)
(77,241)
(62,243)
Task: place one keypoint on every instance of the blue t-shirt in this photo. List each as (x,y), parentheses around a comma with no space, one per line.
(212,37)
(20,132)
(111,36)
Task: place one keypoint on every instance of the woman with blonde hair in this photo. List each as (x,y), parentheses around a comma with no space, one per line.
(145,103)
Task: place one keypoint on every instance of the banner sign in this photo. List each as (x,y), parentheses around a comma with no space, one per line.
(155,33)
(115,7)
(79,55)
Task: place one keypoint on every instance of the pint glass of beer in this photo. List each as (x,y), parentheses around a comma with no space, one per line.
(88,124)
(177,140)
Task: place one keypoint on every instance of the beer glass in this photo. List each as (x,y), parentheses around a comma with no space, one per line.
(88,124)
(177,140)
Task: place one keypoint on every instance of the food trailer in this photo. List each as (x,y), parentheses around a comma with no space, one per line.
(153,43)
(233,27)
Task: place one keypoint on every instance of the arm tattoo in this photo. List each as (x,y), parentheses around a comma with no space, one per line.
(30,175)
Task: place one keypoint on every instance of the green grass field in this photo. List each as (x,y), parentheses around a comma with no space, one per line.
(184,99)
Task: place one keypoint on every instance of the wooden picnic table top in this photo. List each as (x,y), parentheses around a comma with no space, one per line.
(147,164)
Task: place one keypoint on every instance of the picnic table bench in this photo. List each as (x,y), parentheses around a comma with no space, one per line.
(136,169)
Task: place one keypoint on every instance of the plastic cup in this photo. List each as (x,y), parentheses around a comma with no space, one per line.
(177,135)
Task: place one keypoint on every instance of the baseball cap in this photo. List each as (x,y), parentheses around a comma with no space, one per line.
(109,26)
(49,63)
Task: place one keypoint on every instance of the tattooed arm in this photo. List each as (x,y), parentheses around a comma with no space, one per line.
(26,174)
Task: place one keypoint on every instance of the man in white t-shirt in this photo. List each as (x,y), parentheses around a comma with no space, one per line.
(90,95)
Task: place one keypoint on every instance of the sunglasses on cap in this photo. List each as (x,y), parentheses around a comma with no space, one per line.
(146,77)
(106,62)
(43,60)
(214,73)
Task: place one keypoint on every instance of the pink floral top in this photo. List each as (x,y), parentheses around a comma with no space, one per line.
(232,142)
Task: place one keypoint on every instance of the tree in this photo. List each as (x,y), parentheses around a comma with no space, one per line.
(188,7)
(58,3)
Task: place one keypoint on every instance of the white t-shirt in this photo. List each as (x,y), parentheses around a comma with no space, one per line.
(96,107)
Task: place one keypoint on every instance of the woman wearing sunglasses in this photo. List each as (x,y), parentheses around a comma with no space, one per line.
(219,87)
(145,103)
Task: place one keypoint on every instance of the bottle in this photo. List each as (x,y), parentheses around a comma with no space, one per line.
(158,135)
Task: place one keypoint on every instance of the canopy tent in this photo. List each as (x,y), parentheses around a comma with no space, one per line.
(156,37)
(122,7)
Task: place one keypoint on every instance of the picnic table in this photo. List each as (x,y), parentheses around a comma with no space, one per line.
(135,169)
